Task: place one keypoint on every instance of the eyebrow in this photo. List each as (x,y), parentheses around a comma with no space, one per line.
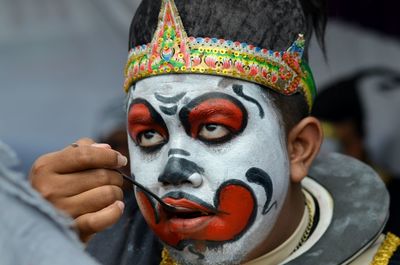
(238,89)
(169,100)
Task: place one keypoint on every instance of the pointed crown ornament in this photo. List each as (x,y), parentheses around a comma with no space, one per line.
(171,51)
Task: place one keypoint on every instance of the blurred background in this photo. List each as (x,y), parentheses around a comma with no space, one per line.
(61,75)
(61,71)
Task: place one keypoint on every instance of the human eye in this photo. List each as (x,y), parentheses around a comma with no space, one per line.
(214,133)
(150,138)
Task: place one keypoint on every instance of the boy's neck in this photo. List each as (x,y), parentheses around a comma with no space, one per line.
(287,222)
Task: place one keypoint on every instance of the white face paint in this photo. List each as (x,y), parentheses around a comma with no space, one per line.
(202,143)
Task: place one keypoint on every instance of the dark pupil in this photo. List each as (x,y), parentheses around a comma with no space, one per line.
(211,127)
(149,134)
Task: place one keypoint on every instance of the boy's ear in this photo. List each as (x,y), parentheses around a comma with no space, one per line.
(304,141)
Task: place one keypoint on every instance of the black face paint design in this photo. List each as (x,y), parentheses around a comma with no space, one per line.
(238,89)
(193,251)
(185,111)
(178,170)
(260,177)
(174,151)
(169,100)
(169,110)
(183,195)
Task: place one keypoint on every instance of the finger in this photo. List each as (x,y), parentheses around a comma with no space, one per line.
(101,145)
(81,142)
(91,223)
(85,157)
(91,179)
(90,201)
(68,185)
(85,141)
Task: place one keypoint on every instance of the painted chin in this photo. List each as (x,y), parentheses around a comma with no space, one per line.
(197,221)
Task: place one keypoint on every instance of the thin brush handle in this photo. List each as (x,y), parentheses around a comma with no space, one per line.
(164,204)
(143,188)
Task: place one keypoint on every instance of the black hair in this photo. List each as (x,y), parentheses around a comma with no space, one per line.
(271,24)
(268,24)
(292,109)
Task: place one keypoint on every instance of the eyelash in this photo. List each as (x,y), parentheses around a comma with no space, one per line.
(150,149)
(230,134)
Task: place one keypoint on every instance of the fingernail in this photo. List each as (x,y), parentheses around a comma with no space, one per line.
(122,160)
(120,205)
(101,145)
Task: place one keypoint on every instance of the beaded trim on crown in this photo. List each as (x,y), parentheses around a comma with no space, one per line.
(172,52)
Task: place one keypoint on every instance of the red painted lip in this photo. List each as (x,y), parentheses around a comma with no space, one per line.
(198,220)
(188,205)
(187,226)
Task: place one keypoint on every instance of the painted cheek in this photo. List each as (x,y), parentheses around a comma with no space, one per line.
(140,120)
(216,111)
(157,224)
(239,204)
(238,208)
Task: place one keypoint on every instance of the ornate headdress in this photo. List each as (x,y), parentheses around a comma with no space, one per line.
(171,51)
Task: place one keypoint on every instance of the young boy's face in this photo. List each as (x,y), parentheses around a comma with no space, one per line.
(206,143)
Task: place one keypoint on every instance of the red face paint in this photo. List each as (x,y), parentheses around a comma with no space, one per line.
(235,201)
(213,108)
(216,111)
(142,117)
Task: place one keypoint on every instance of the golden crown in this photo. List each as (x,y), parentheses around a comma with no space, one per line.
(171,51)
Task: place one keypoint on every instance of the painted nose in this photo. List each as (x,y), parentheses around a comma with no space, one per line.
(180,171)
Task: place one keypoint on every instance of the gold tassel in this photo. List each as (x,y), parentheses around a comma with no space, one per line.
(166,258)
(386,250)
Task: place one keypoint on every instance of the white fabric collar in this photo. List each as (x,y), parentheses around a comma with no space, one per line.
(284,252)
